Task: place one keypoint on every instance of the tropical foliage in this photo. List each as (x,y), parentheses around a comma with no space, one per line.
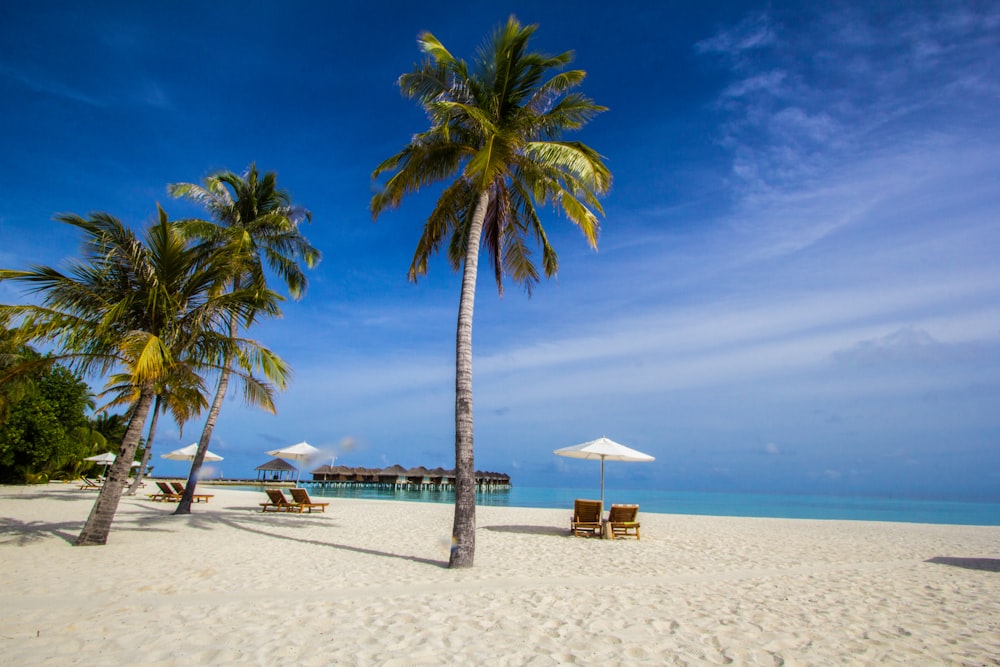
(494,138)
(141,308)
(44,431)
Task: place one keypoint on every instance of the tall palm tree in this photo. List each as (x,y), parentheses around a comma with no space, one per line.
(495,128)
(143,308)
(256,225)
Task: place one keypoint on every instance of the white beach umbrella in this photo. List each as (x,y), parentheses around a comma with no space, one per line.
(105,459)
(302,451)
(187,454)
(603,449)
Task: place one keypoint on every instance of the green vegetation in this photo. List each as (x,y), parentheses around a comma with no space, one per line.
(145,311)
(44,431)
(494,136)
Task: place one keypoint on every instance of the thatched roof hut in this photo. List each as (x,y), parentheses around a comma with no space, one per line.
(275,470)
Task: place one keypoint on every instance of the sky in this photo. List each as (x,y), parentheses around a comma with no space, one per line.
(796,288)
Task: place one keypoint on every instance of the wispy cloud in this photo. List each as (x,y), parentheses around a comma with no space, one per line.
(913,345)
(41,83)
(753,32)
(848,83)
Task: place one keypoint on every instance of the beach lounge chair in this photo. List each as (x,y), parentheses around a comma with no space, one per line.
(587,518)
(88,484)
(198,497)
(622,521)
(278,502)
(166,494)
(301,498)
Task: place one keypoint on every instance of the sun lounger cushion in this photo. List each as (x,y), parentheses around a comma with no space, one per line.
(623,521)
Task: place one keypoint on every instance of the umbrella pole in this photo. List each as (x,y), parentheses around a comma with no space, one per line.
(602,482)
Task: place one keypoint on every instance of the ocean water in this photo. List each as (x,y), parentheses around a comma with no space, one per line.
(907,510)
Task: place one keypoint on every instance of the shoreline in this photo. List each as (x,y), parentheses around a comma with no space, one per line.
(366,583)
(888,509)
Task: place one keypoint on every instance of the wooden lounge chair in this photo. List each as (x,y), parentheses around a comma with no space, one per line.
(587,518)
(198,497)
(301,498)
(622,521)
(89,485)
(278,502)
(166,494)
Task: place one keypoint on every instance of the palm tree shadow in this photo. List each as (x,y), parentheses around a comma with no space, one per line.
(19,533)
(28,532)
(62,497)
(982,564)
(159,520)
(529,530)
(333,545)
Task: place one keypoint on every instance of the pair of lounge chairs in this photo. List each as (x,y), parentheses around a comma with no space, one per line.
(172,492)
(300,502)
(587,521)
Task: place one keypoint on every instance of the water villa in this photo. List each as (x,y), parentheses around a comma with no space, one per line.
(399,478)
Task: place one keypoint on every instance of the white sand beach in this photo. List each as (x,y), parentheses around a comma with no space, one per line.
(366,584)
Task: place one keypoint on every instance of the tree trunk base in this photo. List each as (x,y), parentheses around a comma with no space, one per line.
(461,558)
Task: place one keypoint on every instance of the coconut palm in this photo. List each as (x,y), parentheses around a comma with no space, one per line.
(141,308)
(495,128)
(182,394)
(255,224)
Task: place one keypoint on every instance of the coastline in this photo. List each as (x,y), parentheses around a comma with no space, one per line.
(894,509)
(365,583)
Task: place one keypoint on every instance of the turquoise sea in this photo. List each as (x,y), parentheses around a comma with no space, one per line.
(907,510)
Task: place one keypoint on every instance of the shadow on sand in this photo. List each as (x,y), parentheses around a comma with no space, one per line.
(983,564)
(530,530)
(154,518)
(20,533)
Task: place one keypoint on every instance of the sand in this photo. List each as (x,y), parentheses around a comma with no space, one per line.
(366,584)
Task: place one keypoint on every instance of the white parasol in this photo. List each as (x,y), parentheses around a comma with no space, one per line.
(302,451)
(603,448)
(106,459)
(187,454)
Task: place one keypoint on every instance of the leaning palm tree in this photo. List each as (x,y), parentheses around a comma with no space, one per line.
(495,128)
(255,225)
(182,395)
(137,308)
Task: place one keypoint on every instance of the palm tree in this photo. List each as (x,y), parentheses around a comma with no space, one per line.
(144,308)
(254,224)
(182,394)
(494,134)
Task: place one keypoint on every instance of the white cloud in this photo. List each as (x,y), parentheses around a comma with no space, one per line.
(752,33)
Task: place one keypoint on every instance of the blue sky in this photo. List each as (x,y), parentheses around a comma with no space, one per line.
(796,287)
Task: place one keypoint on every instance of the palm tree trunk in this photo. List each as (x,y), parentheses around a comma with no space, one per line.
(463,546)
(184,506)
(98,525)
(141,471)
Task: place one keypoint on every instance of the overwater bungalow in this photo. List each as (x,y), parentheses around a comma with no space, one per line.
(399,478)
